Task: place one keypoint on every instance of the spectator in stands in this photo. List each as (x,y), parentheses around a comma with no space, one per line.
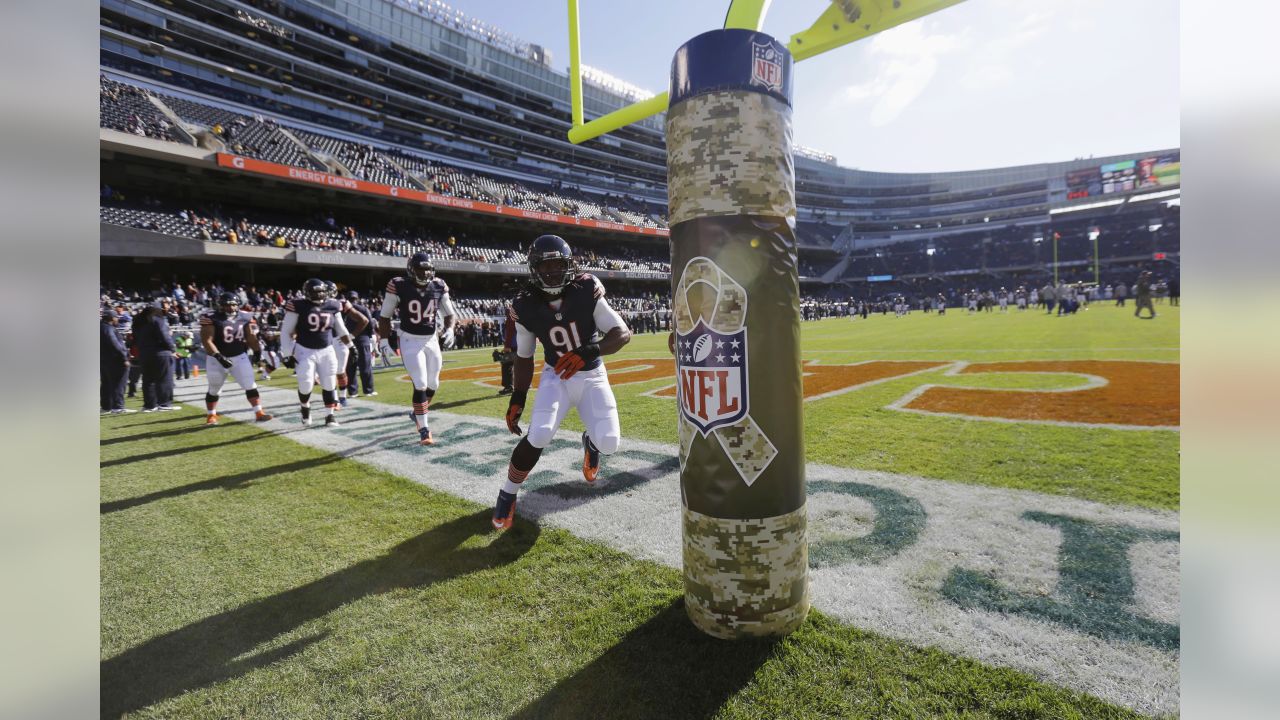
(113,365)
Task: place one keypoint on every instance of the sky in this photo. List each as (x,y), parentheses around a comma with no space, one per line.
(983,84)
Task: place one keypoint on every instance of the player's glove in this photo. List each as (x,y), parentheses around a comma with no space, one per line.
(576,359)
(255,357)
(384,347)
(514,409)
(290,362)
(447,339)
(222,360)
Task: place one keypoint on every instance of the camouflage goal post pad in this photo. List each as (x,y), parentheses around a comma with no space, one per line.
(736,308)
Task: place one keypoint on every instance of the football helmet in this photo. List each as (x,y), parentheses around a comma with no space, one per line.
(551,264)
(420,268)
(315,290)
(331,288)
(228,303)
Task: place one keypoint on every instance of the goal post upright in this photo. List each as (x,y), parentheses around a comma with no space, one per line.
(736,304)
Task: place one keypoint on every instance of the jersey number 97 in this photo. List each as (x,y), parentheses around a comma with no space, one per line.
(318,322)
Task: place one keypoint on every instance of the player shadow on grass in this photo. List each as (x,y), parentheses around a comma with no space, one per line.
(226,482)
(664,669)
(236,481)
(142,457)
(154,434)
(207,651)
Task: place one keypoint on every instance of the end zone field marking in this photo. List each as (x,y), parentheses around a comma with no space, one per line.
(1025,610)
(1094,382)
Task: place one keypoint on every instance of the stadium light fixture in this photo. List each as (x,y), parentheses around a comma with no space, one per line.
(841,23)
(1094,233)
(930,251)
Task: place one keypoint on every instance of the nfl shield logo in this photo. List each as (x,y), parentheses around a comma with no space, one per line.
(711,368)
(766,66)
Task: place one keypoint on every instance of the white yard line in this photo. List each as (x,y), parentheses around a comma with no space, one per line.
(889,586)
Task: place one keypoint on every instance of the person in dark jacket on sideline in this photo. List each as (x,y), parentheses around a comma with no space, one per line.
(113,365)
(154,341)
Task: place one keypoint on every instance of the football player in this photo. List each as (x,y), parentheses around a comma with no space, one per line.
(310,323)
(355,323)
(228,335)
(565,310)
(418,297)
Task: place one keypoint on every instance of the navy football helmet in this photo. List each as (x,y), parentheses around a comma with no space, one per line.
(315,290)
(229,303)
(420,268)
(551,264)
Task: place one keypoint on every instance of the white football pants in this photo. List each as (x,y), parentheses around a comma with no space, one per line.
(421,356)
(316,366)
(589,392)
(241,369)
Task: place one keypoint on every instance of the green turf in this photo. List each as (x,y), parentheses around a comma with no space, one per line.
(855,430)
(246,575)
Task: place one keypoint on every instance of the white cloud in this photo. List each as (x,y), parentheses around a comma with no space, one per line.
(905,60)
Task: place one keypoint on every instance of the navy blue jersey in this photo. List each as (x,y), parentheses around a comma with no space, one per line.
(417,304)
(570,326)
(315,321)
(367,332)
(229,331)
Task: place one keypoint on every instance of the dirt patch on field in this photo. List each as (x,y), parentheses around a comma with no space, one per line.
(1135,393)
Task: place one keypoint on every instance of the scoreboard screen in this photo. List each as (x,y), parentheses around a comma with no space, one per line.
(1119,177)
(1083,183)
(1161,171)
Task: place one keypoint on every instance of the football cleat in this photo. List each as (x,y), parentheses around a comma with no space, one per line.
(504,512)
(371,393)
(590,459)
(424,437)
(342,399)
(211,419)
(306,422)
(262,416)
(332,421)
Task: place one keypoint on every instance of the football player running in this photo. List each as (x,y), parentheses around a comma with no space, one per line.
(228,335)
(565,310)
(310,323)
(418,297)
(355,323)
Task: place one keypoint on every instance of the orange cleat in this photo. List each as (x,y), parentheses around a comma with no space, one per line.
(590,459)
(504,511)
(211,419)
(424,437)
(262,416)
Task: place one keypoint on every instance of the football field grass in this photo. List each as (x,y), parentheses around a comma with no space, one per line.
(246,574)
(856,429)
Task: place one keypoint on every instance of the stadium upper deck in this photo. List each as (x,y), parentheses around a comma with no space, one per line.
(419,76)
